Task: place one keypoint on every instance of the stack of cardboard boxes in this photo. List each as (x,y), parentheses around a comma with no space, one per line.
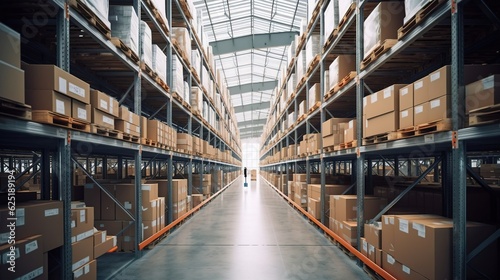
(332,131)
(104,109)
(50,88)
(179,197)
(381,110)
(314,198)
(342,66)
(185,142)
(202,183)
(38,229)
(11,74)
(128,122)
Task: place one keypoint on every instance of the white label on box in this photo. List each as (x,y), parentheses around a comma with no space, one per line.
(30,247)
(51,212)
(364,102)
(146,187)
(114,241)
(111,105)
(404,114)
(78,273)
(32,274)
(73,224)
(153,223)
(351,124)
(103,237)
(365,246)
(435,76)
(82,216)
(137,129)
(404,91)
(103,104)
(371,249)
(128,205)
(76,90)
(374,97)
(20,216)
(403,225)
(435,103)
(81,262)
(5,257)
(153,203)
(84,235)
(418,85)
(388,92)
(60,107)
(82,113)
(419,109)
(62,85)
(420,229)
(108,120)
(391,220)
(4,237)
(406,269)
(488,82)
(390,259)
(130,118)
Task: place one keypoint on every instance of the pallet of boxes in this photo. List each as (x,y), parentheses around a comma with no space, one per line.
(12,96)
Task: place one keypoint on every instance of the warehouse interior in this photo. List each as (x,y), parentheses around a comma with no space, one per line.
(370,130)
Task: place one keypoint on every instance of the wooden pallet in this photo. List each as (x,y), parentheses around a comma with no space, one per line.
(431,127)
(104,131)
(15,109)
(185,8)
(162,83)
(146,69)
(485,115)
(418,17)
(117,42)
(49,117)
(344,81)
(379,49)
(330,39)
(146,141)
(347,15)
(131,138)
(347,145)
(313,64)
(195,75)
(329,149)
(315,107)
(380,138)
(315,14)
(158,16)
(91,17)
(406,132)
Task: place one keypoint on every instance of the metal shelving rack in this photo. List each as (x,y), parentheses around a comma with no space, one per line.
(449,147)
(60,149)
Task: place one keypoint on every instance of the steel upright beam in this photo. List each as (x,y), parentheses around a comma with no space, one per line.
(64,182)
(458,151)
(170,168)
(360,176)
(63,41)
(45,174)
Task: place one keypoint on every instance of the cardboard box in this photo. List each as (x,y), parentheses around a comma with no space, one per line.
(371,252)
(125,194)
(86,272)
(406,118)
(99,236)
(149,192)
(434,110)
(482,93)
(102,248)
(398,270)
(350,132)
(381,124)
(92,198)
(128,116)
(333,126)
(373,234)
(10,50)
(80,110)
(378,26)
(29,259)
(349,232)
(53,78)
(342,66)
(382,102)
(83,252)
(111,227)
(406,97)
(49,100)
(104,102)
(103,119)
(314,190)
(314,95)
(36,218)
(127,127)
(150,210)
(148,229)
(11,82)
(314,207)
(346,207)
(82,223)
(421,91)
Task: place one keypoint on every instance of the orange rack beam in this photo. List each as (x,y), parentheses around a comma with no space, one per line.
(337,238)
(112,250)
(170,226)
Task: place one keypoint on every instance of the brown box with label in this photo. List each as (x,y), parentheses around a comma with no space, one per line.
(398,270)
(83,252)
(86,272)
(104,102)
(434,110)
(43,218)
(53,78)
(92,198)
(82,223)
(29,259)
(149,192)
(382,102)
(314,207)
(148,229)
(10,49)
(350,131)
(127,127)
(349,231)
(373,234)
(421,91)
(406,97)
(332,126)
(342,66)
(11,82)
(49,100)
(150,210)
(103,119)
(107,244)
(406,118)
(125,194)
(184,141)
(346,207)
(128,116)
(482,93)
(111,227)
(381,124)
(80,110)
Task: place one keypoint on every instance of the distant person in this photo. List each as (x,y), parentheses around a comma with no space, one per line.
(245,172)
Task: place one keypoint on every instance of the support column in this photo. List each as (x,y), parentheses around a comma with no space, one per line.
(64,181)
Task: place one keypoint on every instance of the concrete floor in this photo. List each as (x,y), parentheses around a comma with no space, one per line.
(245,233)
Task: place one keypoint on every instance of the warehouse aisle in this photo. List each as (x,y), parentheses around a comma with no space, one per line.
(245,233)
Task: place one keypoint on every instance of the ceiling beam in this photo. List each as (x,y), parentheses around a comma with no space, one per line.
(256,41)
(252,87)
(254,129)
(252,122)
(252,107)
